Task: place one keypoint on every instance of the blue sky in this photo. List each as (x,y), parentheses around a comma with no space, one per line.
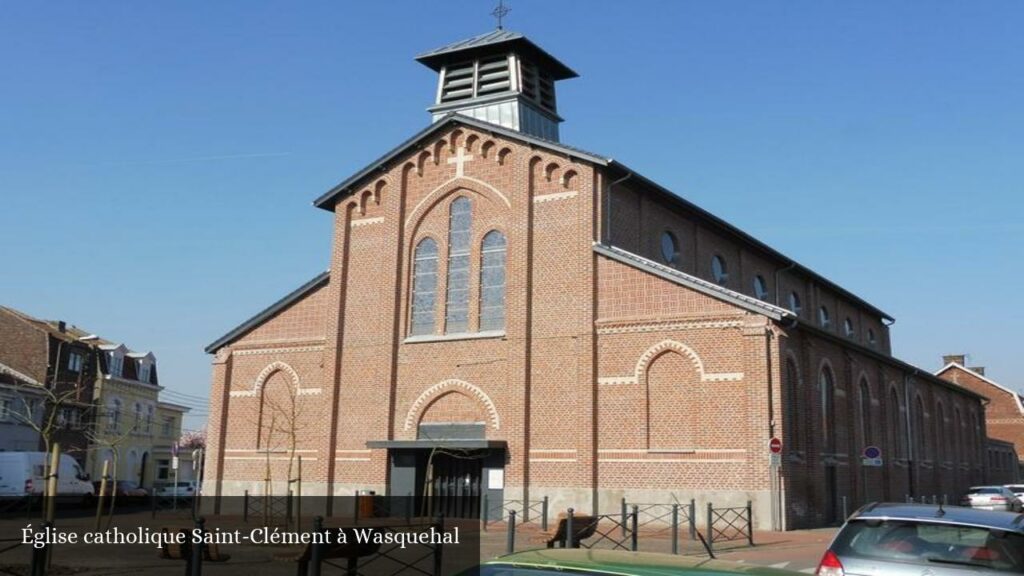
(158,160)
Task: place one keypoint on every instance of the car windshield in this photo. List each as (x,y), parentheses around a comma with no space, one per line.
(927,544)
(1016,488)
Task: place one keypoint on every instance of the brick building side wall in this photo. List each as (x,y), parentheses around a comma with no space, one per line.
(1002,414)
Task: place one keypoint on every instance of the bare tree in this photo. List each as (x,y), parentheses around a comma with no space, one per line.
(111,440)
(286,425)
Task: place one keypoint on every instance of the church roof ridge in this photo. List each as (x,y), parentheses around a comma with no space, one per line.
(261,316)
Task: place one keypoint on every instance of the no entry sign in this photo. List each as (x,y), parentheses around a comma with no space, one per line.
(775,445)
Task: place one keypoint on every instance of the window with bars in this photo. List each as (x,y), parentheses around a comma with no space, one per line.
(492,282)
(457,300)
(424,287)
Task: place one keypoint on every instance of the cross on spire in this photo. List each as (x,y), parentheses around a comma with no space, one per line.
(500,11)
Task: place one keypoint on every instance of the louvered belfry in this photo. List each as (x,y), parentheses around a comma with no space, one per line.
(500,77)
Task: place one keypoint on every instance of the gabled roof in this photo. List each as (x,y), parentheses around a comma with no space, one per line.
(295,295)
(350,185)
(492,42)
(1016,395)
(700,285)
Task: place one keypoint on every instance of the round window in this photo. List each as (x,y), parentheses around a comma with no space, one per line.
(669,248)
(718,270)
(760,288)
(824,319)
(794,302)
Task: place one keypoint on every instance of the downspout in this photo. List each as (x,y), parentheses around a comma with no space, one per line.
(911,460)
(778,285)
(606,232)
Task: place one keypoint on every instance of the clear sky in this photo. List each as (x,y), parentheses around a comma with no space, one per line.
(158,160)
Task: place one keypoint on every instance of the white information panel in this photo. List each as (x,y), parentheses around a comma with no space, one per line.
(495,479)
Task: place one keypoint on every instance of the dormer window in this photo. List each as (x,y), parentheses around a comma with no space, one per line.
(116,364)
(144,369)
(75,361)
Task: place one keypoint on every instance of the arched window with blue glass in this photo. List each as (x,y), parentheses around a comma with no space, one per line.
(424,288)
(492,282)
(457,301)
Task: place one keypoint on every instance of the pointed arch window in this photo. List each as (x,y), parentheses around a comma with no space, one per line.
(424,287)
(828,391)
(457,302)
(492,281)
(865,413)
(896,424)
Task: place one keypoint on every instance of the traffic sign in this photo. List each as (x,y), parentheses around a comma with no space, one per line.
(871,456)
(775,445)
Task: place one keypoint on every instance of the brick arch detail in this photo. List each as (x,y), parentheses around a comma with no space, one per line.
(466,182)
(678,347)
(270,370)
(452,385)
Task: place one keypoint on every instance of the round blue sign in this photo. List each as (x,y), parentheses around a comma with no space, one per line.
(872,452)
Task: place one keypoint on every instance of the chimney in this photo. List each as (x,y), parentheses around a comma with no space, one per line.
(62,326)
(954,359)
(979,370)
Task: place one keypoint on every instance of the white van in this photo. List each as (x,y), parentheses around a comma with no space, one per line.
(21,474)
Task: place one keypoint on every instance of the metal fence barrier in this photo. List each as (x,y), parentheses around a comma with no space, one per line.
(729,524)
(526,511)
(662,518)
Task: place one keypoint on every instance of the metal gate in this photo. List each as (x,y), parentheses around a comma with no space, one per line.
(455,486)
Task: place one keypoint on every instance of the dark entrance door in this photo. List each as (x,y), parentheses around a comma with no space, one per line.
(454,484)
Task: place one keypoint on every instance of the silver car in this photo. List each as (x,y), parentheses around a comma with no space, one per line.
(916,539)
(992,498)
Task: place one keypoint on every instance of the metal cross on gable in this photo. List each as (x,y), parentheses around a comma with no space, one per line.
(500,11)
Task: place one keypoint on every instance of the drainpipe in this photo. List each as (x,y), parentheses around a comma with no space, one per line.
(607,232)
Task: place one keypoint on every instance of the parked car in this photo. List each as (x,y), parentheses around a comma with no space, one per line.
(123,488)
(22,474)
(584,562)
(181,489)
(915,539)
(992,498)
(1017,489)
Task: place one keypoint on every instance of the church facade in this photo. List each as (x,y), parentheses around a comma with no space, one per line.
(510,316)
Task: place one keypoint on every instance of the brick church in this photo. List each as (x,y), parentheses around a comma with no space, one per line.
(508,315)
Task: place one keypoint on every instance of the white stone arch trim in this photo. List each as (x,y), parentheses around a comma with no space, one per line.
(678,347)
(452,385)
(267,372)
(446,187)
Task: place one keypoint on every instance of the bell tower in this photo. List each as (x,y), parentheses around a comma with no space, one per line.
(499,77)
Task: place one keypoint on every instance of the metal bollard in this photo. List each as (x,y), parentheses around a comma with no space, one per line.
(568,542)
(245,506)
(544,514)
(692,513)
(675,528)
(711,535)
(39,555)
(846,514)
(622,521)
(487,513)
(439,526)
(635,536)
(510,540)
(750,523)
(408,508)
(196,565)
(316,553)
